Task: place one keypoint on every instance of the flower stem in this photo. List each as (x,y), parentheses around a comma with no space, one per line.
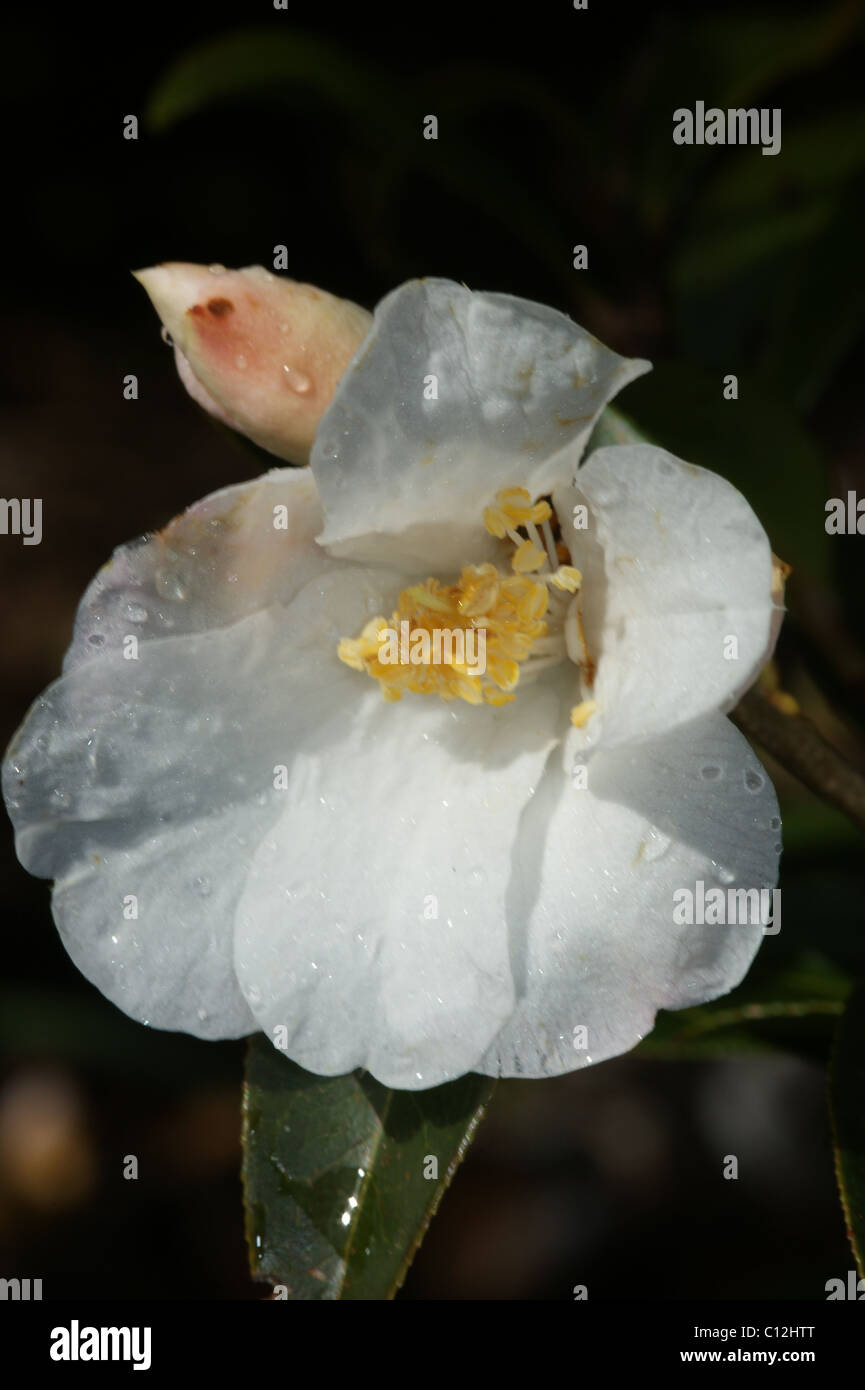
(796,742)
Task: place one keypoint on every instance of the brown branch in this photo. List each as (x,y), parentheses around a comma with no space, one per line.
(796,742)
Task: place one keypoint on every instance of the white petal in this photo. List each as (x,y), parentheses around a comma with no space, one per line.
(675,564)
(591,906)
(221,560)
(153,778)
(519,387)
(402,810)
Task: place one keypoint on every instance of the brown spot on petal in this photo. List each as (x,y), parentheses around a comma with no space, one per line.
(565,420)
(220,307)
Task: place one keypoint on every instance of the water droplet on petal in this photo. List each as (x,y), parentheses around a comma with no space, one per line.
(240,361)
(754,780)
(725,875)
(96,639)
(775,823)
(710,772)
(169,585)
(204,886)
(298,381)
(216,268)
(166,336)
(656,844)
(135,613)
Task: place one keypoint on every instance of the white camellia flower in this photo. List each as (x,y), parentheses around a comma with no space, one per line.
(254,821)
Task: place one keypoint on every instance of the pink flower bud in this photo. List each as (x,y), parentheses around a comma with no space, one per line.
(261,353)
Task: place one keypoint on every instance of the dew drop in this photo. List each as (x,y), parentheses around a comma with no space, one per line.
(754,780)
(168,585)
(778,847)
(96,639)
(42,742)
(240,361)
(216,269)
(725,875)
(166,336)
(204,886)
(135,613)
(656,845)
(202,1015)
(775,823)
(298,381)
(710,772)
(59,799)
(253,994)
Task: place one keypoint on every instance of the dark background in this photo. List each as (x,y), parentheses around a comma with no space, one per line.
(555,128)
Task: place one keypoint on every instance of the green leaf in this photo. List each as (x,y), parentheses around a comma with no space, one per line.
(819,315)
(259,64)
(786,1005)
(726,60)
(613,428)
(847,1107)
(819,154)
(754,441)
(813,827)
(336,1198)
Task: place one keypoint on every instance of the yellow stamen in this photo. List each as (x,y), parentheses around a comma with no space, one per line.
(468,640)
(527,557)
(506,609)
(583,712)
(566,577)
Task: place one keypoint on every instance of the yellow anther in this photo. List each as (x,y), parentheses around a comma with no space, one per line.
(583,712)
(566,577)
(512,508)
(426,597)
(468,640)
(499,614)
(528,557)
(785,702)
(496,522)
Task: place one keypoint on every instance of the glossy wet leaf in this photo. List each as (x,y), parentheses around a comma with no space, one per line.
(337,1200)
(847,1105)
